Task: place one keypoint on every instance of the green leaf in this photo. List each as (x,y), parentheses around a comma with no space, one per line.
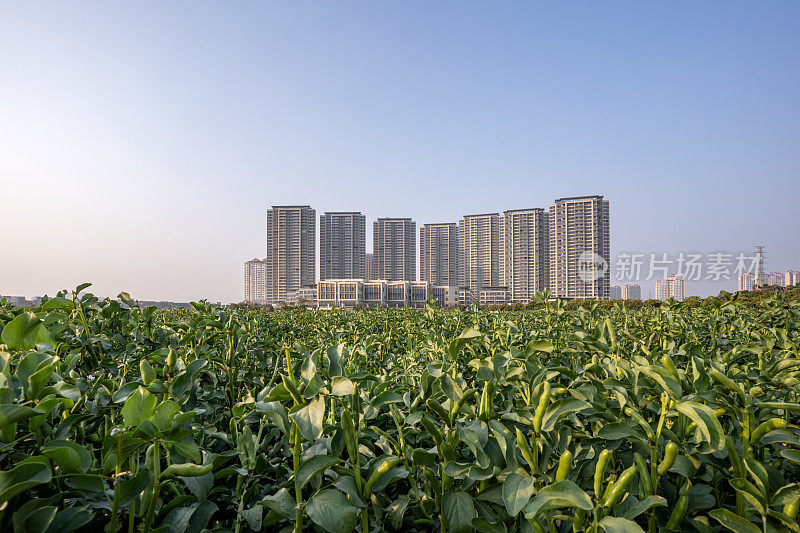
(331,511)
(663,377)
(613,524)
(201,516)
(190,450)
(309,418)
(131,488)
(562,494)
(199,485)
(451,388)
(69,455)
(313,465)
(85,482)
(341,386)
(561,408)
(13,413)
(70,519)
(517,492)
(178,519)
(164,414)
(709,429)
(254,516)
(733,521)
(282,503)
(39,521)
(25,331)
(21,478)
(616,431)
(139,407)
(34,515)
(458,510)
(541,346)
(644,505)
(57,303)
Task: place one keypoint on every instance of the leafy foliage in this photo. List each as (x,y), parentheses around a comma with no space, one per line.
(587,417)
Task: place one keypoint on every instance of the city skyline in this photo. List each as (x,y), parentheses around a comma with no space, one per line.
(145,164)
(488,257)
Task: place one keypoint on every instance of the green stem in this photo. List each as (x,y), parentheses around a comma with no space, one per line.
(114,526)
(132,510)
(156,486)
(298,493)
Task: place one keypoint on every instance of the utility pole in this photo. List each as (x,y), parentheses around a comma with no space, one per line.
(760,263)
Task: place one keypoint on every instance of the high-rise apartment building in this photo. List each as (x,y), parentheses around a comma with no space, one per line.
(580,247)
(524,257)
(255,281)
(631,291)
(750,280)
(479,252)
(291,250)
(791,278)
(342,245)
(438,253)
(672,287)
(776,278)
(615,292)
(370,266)
(395,249)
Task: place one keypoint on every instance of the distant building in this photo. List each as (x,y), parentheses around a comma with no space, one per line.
(750,280)
(303,296)
(445,295)
(372,293)
(524,256)
(776,278)
(255,281)
(479,251)
(15,300)
(672,287)
(579,234)
(631,291)
(291,250)
(370,266)
(395,249)
(791,278)
(494,296)
(342,245)
(615,292)
(438,253)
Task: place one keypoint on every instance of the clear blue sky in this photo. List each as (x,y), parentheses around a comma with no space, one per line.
(140,143)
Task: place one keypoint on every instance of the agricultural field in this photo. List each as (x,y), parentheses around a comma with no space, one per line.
(596,418)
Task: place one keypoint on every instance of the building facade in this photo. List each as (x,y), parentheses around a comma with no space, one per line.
(438,253)
(369,266)
(494,296)
(750,280)
(631,291)
(615,292)
(580,247)
(479,252)
(672,287)
(524,256)
(342,245)
(372,293)
(791,278)
(255,281)
(394,248)
(291,250)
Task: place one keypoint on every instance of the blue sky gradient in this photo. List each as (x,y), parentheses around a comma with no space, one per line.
(141,143)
